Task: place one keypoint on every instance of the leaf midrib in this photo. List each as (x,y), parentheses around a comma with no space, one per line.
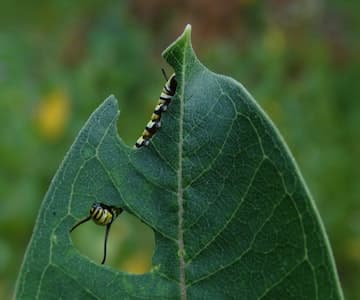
(180,199)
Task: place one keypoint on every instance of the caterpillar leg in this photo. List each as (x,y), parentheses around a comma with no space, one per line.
(81,222)
(105,241)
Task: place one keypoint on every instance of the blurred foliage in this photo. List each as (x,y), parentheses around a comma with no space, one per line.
(60,59)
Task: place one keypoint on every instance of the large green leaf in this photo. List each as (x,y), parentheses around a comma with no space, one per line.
(231,214)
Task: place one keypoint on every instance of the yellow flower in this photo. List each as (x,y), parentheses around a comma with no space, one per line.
(138,263)
(353,249)
(52,114)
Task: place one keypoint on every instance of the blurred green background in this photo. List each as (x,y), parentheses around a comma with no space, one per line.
(60,59)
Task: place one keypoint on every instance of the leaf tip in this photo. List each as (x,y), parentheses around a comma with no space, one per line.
(187,31)
(111,99)
(178,47)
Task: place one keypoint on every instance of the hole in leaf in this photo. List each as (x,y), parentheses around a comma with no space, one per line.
(130,244)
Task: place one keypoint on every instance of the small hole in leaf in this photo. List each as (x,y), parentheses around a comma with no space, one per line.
(130,244)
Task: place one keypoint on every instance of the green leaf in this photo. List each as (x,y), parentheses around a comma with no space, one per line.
(231,214)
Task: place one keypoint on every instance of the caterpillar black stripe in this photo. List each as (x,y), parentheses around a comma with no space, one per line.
(155,122)
(101,214)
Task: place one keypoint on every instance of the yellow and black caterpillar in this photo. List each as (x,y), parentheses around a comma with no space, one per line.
(101,214)
(155,122)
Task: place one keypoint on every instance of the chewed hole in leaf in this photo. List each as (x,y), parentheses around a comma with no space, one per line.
(130,244)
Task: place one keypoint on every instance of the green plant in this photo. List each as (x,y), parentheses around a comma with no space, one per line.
(231,214)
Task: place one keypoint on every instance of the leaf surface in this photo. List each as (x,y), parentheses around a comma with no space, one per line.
(231,214)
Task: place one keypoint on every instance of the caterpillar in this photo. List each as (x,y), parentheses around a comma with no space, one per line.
(101,214)
(154,124)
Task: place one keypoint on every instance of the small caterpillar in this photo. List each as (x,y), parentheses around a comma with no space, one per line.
(101,214)
(155,121)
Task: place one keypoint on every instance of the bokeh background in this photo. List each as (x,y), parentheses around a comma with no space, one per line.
(60,59)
